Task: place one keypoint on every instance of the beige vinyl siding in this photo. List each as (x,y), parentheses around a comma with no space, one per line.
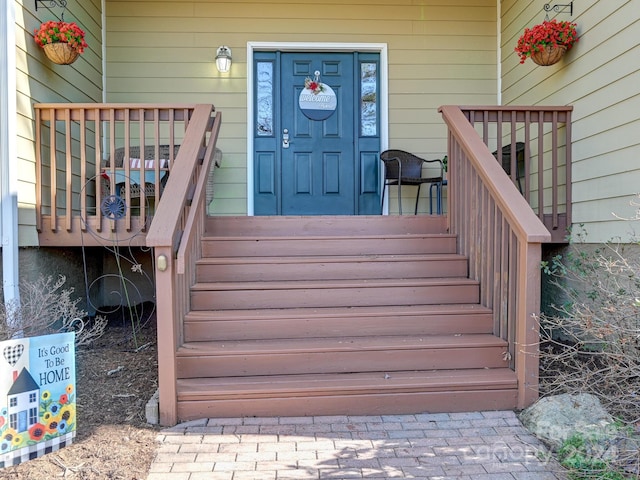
(38,80)
(439,52)
(600,77)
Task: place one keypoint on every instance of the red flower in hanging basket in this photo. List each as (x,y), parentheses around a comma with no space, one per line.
(549,33)
(60,32)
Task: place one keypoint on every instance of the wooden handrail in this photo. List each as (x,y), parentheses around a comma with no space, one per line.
(175,236)
(93,111)
(194,226)
(502,237)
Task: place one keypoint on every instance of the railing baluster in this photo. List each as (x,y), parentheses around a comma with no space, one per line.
(126,163)
(98,178)
(527,156)
(172,136)
(39,186)
(499,137)
(497,253)
(503,312)
(471,215)
(464,204)
(515,174)
(514,296)
(112,163)
(83,166)
(143,155)
(156,137)
(484,245)
(68,170)
(541,166)
(485,127)
(53,169)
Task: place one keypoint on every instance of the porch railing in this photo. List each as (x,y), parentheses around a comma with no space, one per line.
(175,234)
(88,183)
(101,168)
(534,145)
(502,236)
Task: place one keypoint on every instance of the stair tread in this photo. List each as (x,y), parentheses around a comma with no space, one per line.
(315,238)
(324,224)
(365,258)
(337,312)
(346,383)
(338,283)
(338,344)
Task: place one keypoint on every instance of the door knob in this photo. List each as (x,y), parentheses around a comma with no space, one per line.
(285,138)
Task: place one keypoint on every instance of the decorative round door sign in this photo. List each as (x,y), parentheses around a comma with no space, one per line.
(317,100)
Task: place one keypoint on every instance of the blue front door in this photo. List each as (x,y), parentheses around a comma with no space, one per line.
(316,141)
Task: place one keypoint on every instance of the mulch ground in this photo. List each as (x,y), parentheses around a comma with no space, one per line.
(115,377)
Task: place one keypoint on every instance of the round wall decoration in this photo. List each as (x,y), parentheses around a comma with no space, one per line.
(317,100)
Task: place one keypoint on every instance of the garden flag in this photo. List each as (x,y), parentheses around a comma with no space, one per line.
(37,396)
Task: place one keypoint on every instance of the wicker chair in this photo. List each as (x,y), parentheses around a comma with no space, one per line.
(149,154)
(404,168)
(505,160)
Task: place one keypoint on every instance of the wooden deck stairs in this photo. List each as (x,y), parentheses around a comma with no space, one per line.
(337,315)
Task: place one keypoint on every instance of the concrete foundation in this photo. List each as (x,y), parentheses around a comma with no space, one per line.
(99,276)
(152,409)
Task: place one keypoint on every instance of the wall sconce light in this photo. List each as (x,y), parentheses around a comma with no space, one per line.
(223,59)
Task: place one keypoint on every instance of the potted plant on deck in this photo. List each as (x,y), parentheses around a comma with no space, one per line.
(62,41)
(547,42)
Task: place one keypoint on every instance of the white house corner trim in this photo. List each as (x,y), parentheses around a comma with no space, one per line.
(499,52)
(8,154)
(103,20)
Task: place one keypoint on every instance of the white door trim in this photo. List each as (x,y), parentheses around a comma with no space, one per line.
(252,47)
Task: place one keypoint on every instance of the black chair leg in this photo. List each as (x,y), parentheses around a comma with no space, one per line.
(417,198)
(438,187)
(431,197)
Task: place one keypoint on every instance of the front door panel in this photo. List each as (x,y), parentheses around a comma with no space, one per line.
(318,163)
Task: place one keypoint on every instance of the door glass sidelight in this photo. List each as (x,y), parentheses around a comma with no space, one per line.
(264,99)
(368,99)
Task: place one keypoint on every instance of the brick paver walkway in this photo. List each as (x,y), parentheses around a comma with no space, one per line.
(476,445)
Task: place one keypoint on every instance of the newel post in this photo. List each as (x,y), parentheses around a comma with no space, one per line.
(527,326)
(167,337)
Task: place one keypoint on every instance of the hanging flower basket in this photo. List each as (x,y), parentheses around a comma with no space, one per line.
(62,41)
(61,53)
(547,42)
(548,55)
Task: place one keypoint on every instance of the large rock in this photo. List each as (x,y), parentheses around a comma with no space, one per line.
(554,419)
